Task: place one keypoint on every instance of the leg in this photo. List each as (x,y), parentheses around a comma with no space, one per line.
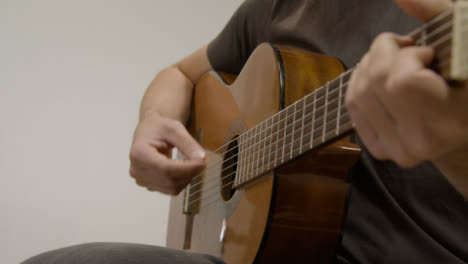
(120,253)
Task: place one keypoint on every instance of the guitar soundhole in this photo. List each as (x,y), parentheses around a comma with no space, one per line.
(229,168)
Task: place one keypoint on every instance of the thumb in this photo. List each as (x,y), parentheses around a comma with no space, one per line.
(424,9)
(182,140)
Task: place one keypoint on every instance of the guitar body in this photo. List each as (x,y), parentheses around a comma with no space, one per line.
(292,214)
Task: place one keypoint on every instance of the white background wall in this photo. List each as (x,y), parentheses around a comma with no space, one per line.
(71,77)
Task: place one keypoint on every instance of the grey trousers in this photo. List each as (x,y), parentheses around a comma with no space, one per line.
(120,253)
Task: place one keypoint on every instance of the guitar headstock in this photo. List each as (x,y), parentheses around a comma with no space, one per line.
(459,58)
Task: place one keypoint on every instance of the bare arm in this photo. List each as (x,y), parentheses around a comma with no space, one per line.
(164,109)
(170,92)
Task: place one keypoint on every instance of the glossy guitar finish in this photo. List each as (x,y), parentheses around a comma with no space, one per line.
(292,214)
(290,202)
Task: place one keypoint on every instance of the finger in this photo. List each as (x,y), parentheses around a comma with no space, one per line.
(394,40)
(146,156)
(367,134)
(420,56)
(382,53)
(424,9)
(405,98)
(409,63)
(180,138)
(356,91)
(155,181)
(373,122)
(165,166)
(386,46)
(408,70)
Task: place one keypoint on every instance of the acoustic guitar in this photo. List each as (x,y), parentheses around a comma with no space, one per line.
(278,140)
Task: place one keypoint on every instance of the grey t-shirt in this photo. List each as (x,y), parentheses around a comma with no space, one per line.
(395,215)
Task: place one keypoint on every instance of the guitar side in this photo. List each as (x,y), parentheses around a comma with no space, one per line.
(293,213)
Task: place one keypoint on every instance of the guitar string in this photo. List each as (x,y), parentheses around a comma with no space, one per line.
(270,163)
(286,118)
(213,193)
(207,204)
(331,133)
(280,131)
(444,26)
(270,146)
(280,119)
(263,149)
(320,100)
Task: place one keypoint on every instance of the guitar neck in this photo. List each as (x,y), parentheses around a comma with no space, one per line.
(320,116)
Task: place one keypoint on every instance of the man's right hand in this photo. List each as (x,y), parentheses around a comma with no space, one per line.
(150,163)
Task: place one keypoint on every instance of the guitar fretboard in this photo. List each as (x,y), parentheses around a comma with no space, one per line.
(320,116)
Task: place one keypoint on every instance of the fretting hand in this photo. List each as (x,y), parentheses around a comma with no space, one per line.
(404,111)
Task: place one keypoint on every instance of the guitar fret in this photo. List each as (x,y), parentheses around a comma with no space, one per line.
(264,136)
(346,78)
(277,138)
(258,134)
(292,134)
(313,120)
(254,139)
(249,170)
(256,153)
(325,114)
(271,155)
(259,149)
(298,123)
(284,136)
(270,140)
(241,153)
(279,135)
(302,126)
(240,159)
(262,165)
(340,86)
(268,145)
(245,156)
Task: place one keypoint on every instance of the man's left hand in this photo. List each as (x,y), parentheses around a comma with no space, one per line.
(402,110)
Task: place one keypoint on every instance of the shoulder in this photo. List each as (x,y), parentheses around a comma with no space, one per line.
(246,29)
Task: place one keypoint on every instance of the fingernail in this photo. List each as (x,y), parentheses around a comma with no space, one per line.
(198,154)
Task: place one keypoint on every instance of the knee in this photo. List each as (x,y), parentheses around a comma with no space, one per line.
(82,253)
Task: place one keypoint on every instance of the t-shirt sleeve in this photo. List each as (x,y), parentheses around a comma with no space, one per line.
(247,28)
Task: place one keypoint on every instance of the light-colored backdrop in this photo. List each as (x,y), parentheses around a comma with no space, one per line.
(72,74)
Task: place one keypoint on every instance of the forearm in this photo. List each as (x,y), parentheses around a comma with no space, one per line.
(168,95)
